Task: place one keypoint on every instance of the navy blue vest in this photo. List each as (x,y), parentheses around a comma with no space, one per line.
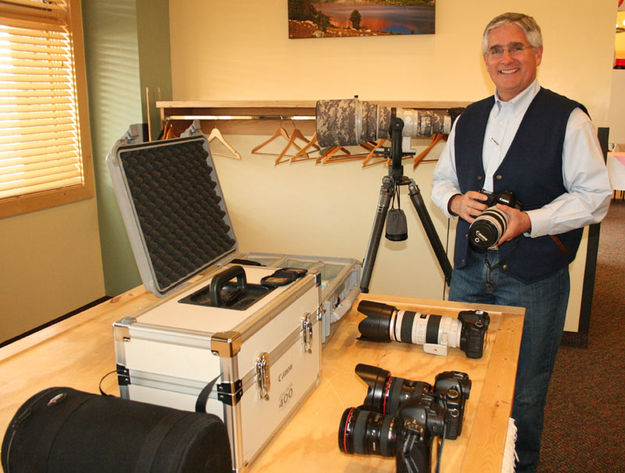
(532,170)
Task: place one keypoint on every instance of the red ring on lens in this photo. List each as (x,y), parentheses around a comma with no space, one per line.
(387,388)
(349,415)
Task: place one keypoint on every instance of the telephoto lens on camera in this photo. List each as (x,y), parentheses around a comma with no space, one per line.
(489,226)
(436,333)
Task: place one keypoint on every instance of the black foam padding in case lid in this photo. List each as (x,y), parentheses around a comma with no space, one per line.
(179,207)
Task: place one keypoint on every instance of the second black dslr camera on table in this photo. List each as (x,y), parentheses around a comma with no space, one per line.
(491,224)
(400,418)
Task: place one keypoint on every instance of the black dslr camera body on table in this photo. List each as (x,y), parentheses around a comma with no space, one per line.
(400,417)
(491,224)
(385,323)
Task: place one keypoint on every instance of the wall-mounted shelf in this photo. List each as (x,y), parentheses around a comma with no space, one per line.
(259,117)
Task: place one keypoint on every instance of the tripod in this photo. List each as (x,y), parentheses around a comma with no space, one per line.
(390,185)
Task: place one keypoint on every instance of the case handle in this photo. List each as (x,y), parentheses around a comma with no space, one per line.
(221,279)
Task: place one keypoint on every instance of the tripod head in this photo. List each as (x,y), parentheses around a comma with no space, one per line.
(396,127)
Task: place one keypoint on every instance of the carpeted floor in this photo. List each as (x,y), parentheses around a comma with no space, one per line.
(585,415)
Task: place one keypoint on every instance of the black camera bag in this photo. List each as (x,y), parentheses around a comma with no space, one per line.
(62,430)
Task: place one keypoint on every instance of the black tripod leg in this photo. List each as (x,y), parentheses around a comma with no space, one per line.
(426,221)
(386,192)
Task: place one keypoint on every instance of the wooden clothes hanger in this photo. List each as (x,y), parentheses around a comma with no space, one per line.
(168,131)
(372,154)
(330,156)
(296,134)
(436,137)
(215,134)
(329,152)
(280,132)
(302,154)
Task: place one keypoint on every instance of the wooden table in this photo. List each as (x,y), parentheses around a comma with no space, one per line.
(79,351)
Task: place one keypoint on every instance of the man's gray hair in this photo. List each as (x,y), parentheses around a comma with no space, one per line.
(525,22)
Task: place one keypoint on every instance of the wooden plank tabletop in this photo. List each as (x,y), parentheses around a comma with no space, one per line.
(79,351)
(310,441)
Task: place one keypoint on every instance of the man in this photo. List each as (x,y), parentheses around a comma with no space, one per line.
(543,148)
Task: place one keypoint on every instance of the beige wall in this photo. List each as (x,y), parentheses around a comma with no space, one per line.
(620,37)
(49,265)
(617,111)
(240,50)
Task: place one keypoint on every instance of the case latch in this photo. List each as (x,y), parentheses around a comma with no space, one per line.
(307,333)
(263,380)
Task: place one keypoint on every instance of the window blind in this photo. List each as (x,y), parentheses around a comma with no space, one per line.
(40,147)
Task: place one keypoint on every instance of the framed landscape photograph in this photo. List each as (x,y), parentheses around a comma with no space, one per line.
(345,18)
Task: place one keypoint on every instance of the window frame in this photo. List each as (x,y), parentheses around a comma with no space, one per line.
(24,203)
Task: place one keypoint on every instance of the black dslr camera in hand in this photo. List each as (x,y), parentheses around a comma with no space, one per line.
(491,224)
(400,418)
(385,323)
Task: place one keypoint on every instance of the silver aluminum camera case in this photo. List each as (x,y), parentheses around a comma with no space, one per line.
(264,360)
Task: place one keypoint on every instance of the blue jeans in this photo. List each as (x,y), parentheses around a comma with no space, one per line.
(484,281)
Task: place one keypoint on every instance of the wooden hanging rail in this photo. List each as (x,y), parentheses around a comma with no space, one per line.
(258,117)
(241,117)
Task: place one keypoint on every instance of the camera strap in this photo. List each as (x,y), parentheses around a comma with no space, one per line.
(395,194)
(491,267)
(202,399)
(501,262)
(560,245)
(439,453)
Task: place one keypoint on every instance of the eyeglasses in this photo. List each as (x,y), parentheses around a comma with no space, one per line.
(514,50)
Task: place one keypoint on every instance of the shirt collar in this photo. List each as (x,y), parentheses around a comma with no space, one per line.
(522,101)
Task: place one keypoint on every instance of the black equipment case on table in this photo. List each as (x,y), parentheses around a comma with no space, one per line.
(239,339)
(61,430)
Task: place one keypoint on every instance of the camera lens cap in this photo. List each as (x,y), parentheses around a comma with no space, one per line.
(275,281)
(282,277)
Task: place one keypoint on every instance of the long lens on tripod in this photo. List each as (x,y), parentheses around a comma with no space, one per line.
(351,122)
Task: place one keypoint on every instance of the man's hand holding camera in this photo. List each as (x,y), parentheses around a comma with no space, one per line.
(468,206)
(518,223)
